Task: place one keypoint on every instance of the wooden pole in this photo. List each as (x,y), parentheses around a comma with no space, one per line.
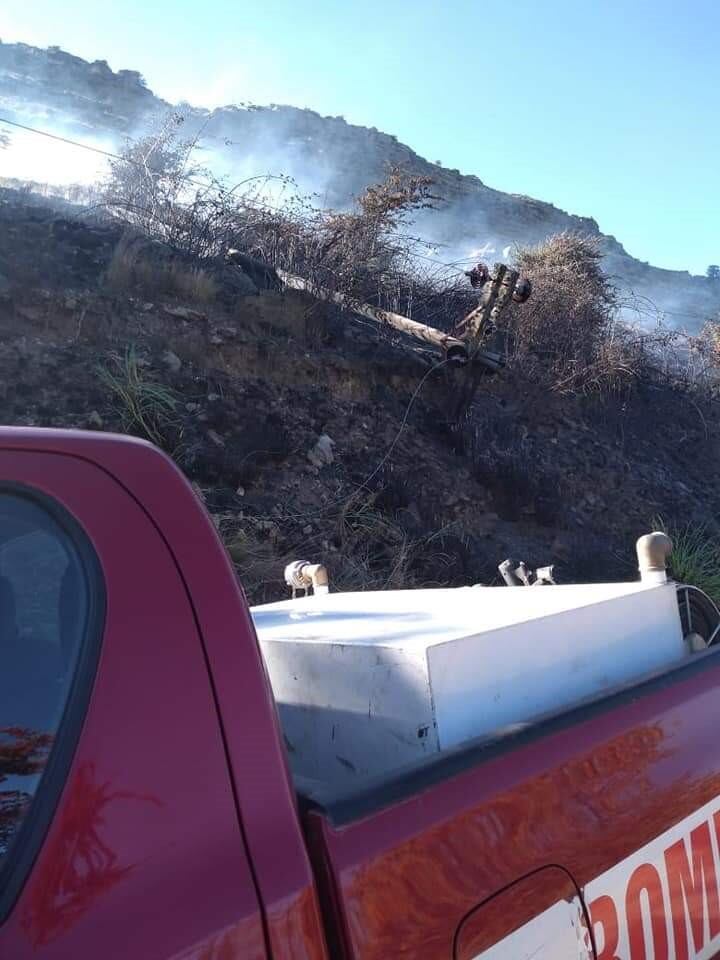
(496,295)
(455,350)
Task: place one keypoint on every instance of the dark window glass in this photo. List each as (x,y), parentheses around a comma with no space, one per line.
(43,614)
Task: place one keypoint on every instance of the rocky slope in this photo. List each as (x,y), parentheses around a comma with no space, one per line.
(249,381)
(58,91)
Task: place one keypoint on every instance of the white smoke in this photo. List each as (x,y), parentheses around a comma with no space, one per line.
(44,160)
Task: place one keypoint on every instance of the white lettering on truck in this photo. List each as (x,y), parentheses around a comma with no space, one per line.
(660,903)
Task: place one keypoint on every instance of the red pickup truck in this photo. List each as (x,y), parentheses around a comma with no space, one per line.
(148,808)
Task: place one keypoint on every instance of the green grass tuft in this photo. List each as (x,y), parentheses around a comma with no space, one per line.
(146,408)
(695,557)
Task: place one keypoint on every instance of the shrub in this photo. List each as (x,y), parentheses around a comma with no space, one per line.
(706,346)
(157,187)
(566,337)
(363,253)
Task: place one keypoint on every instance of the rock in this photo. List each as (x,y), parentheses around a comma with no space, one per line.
(95,421)
(216,438)
(185,313)
(172,361)
(322,453)
(31,313)
(226,332)
(240,492)
(236,283)
(308,529)
(259,273)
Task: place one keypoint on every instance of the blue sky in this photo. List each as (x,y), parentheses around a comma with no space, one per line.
(606,108)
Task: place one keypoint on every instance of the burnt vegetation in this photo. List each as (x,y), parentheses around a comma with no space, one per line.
(366,254)
(571,337)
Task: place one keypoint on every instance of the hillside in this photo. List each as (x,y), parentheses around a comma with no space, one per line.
(239,384)
(337,160)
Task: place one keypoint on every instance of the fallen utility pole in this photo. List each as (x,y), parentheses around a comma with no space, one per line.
(454,349)
(500,288)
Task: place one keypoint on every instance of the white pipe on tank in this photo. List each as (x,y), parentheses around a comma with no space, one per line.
(653,551)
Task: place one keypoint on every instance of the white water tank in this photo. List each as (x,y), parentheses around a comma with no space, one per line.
(366,682)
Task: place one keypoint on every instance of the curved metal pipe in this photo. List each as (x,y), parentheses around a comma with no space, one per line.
(301,575)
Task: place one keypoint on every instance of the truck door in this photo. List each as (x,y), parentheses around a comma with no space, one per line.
(540,917)
(119,835)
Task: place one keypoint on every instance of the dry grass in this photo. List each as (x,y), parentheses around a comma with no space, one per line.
(374,553)
(363,549)
(135,266)
(193,283)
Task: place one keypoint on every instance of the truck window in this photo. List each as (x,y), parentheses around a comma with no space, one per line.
(45,611)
